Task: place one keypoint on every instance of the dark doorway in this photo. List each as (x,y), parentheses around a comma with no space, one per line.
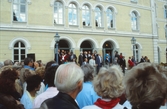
(107,51)
(86,46)
(64,45)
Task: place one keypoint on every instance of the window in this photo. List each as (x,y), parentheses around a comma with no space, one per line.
(86,15)
(98,17)
(58,12)
(110,22)
(19,10)
(72,14)
(166,31)
(134,21)
(19,52)
(165,11)
(137,51)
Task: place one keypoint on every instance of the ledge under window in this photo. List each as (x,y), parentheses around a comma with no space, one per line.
(75,26)
(109,28)
(135,30)
(134,1)
(99,27)
(87,26)
(19,23)
(59,25)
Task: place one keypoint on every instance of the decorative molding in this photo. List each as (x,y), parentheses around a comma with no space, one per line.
(114,9)
(25,41)
(71,43)
(73,31)
(111,40)
(135,11)
(162,41)
(73,1)
(161,20)
(116,2)
(94,42)
(100,5)
(87,3)
(52,2)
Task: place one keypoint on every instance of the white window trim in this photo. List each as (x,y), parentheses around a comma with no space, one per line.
(90,15)
(77,9)
(164,10)
(139,50)
(63,6)
(25,41)
(19,49)
(102,17)
(115,12)
(26,12)
(138,19)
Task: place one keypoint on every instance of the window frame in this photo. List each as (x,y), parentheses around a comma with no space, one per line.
(58,17)
(137,21)
(101,14)
(19,48)
(87,10)
(165,11)
(19,4)
(113,17)
(73,14)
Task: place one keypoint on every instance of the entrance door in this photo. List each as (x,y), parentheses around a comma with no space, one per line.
(86,46)
(107,52)
(64,45)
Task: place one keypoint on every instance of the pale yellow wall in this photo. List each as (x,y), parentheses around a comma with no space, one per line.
(40,13)
(139,2)
(5,12)
(162,52)
(161,30)
(160,9)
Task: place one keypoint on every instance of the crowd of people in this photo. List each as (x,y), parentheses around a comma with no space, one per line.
(34,85)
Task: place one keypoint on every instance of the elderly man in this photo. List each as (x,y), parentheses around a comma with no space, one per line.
(68,80)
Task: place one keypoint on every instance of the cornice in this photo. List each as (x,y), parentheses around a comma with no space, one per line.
(161,20)
(162,41)
(73,31)
(126,4)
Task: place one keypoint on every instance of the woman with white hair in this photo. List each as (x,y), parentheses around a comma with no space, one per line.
(108,85)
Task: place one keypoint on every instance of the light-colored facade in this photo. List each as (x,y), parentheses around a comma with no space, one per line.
(30,26)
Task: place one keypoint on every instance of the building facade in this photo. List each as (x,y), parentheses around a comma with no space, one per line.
(29,27)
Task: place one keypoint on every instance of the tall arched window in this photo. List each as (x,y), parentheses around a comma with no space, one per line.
(98,16)
(86,15)
(166,32)
(165,11)
(134,20)
(110,18)
(137,52)
(72,14)
(58,12)
(19,10)
(19,51)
